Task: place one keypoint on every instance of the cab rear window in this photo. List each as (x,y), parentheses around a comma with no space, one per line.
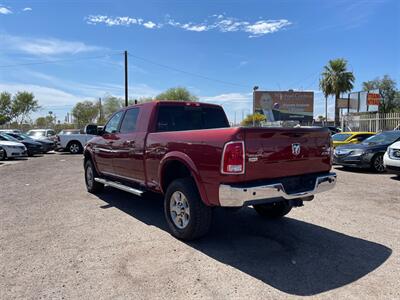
(179,118)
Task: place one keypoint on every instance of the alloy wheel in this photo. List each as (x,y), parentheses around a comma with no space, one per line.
(89,176)
(179,210)
(378,163)
(74,148)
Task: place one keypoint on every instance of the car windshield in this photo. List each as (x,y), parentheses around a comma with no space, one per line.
(36,133)
(6,137)
(24,136)
(388,137)
(16,136)
(341,137)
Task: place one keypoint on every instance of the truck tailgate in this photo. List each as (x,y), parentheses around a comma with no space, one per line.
(282,152)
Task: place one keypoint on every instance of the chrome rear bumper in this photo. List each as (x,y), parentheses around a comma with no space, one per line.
(236,196)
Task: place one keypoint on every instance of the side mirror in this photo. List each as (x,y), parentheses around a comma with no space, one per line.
(91,129)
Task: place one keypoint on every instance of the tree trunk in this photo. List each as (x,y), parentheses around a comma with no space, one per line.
(337,118)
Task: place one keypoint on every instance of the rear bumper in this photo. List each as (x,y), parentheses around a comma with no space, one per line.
(237,196)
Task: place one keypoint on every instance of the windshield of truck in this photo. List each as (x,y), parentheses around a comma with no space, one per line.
(178,118)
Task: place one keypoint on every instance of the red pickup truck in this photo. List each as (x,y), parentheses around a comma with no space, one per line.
(188,152)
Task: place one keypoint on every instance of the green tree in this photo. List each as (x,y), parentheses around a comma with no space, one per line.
(178,94)
(23,104)
(41,122)
(5,108)
(85,112)
(112,104)
(388,91)
(336,79)
(251,119)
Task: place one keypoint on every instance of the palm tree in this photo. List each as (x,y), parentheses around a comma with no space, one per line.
(336,80)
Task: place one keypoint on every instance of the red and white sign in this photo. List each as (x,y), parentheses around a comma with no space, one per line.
(373,99)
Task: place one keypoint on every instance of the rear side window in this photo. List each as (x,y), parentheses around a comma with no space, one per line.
(179,117)
(129,121)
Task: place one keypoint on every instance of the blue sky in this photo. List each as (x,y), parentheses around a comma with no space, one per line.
(277,45)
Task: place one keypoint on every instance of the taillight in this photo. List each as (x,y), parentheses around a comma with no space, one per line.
(233,158)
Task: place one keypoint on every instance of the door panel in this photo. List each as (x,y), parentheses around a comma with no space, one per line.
(103,148)
(103,153)
(128,149)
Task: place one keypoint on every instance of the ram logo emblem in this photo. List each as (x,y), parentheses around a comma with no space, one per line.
(296,149)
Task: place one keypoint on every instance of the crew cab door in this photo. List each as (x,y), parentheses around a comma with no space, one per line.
(103,152)
(128,148)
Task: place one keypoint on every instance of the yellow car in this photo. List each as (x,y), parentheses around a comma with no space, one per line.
(345,138)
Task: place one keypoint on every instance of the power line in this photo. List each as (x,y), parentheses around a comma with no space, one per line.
(56,61)
(188,73)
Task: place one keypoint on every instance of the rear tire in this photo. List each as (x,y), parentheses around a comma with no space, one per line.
(75,147)
(92,186)
(377,163)
(274,210)
(188,218)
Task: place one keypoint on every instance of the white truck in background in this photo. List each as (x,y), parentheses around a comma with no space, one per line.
(75,142)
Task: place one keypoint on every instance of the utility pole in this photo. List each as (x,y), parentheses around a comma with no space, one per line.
(126,77)
(100,110)
(326,110)
(255,88)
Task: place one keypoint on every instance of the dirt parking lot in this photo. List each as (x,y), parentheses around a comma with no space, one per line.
(58,241)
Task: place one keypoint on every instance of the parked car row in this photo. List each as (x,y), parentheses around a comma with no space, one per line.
(14,143)
(367,150)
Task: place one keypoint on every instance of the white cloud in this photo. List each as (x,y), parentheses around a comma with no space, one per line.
(219,23)
(264,27)
(44,46)
(27,9)
(45,95)
(191,27)
(149,24)
(5,11)
(120,21)
(228,24)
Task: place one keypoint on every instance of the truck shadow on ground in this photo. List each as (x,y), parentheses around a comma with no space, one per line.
(292,256)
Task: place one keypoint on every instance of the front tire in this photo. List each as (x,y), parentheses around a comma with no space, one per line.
(377,163)
(92,186)
(188,218)
(273,210)
(3,155)
(75,148)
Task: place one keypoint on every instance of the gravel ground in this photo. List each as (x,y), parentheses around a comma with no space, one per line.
(58,241)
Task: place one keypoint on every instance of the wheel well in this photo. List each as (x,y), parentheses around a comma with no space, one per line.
(173,170)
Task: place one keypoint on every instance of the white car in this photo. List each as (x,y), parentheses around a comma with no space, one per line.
(391,159)
(12,149)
